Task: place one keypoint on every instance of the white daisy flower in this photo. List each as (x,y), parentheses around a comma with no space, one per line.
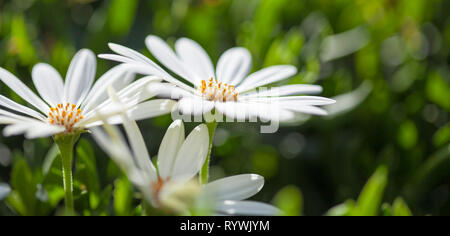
(179,160)
(71,105)
(228,88)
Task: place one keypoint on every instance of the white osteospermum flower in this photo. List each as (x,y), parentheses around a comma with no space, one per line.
(72,105)
(230,194)
(228,88)
(179,160)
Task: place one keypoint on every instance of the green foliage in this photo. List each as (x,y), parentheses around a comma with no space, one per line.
(123,197)
(343,209)
(399,208)
(407,135)
(265,161)
(438,90)
(289,200)
(120,16)
(442,136)
(385,62)
(23,196)
(368,203)
(86,173)
(20,43)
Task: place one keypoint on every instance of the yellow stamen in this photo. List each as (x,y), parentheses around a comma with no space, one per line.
(217,91)
(65,115)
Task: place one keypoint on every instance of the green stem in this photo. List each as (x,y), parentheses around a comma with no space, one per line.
(204,172)
(66,144)
(145,208)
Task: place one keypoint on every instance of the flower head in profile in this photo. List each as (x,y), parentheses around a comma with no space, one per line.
(227,88)
(70,106)
(179,160)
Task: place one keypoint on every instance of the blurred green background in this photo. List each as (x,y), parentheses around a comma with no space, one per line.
(387,61)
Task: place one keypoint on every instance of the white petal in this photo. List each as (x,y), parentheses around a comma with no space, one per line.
(195,57)
(138,87)
(32,130)
(304,100)
(114,145)
(307,109)
(238,187)
(17,117)
(139,149)
(118,77)
(117,58)
(7,120)
(80,76)
(48,83)
(22,90)
(141,64)
(110,142)
(132,94)
(15,129)
(280,106)
(110,112)
(192,154)
(233,110)
(40,130)
(242,111)
(167,56)
(149,109)
(248,208)
(171,143)
(293,89)
(152,108)
(130,53)
(266,76)
(8,103)
(150,70)
(194,106)
(234,65)
(168,90)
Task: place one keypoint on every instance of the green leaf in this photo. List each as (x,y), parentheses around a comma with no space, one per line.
(55,195)
(434,169)
(442,136)
(20,40)
(53,179)
(343,209)
(50,158)
(289,200)
(86,173)
(121,15)
(265,161)
(123,196)
(22,183)
(386,209)
(348,101)
(399,208)
(407,135)
(285,50)
(15,201)
(369,200)
(105,198)
(264,25)
(438,90)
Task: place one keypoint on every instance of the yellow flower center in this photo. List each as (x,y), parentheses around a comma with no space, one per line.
(217,91)
(65,115)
